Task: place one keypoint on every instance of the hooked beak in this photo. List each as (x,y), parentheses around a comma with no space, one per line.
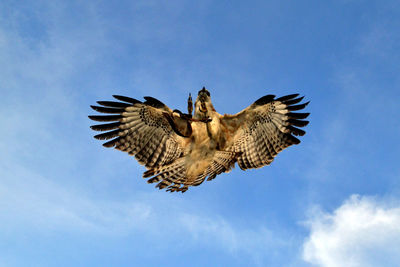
(203,96)
(203,107)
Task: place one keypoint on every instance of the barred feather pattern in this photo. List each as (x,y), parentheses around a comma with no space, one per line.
(139,129)
(265,129)
(223,161)
(173,176)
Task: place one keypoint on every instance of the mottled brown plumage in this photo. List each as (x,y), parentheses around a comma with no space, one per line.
(181,151)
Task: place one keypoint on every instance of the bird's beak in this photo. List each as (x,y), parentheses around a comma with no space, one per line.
(203,98)
(203,107)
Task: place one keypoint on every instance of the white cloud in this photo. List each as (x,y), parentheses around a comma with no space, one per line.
(361,232)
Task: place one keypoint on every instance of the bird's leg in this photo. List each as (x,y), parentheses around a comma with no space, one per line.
(190,105)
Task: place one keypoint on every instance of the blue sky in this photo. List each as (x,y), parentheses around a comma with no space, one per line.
(333,200)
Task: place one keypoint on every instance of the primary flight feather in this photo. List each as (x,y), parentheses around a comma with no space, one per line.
(180,150)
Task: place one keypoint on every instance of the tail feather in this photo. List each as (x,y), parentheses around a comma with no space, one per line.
(223,161)
(173,176)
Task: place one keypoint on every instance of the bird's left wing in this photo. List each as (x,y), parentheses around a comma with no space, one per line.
(144,130)
(264,129)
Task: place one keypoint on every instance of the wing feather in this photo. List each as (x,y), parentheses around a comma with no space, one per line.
(107,110)
(264,129)
(126,99)
(113,104)
(139,129)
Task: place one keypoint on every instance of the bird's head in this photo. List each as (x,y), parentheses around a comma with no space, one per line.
(203,105)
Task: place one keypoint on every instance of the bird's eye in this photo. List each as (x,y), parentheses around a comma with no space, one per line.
(208,93)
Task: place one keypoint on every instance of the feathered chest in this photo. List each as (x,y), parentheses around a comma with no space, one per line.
(206,133)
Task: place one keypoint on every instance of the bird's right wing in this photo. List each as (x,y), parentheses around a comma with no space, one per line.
(140,129)
(264,129)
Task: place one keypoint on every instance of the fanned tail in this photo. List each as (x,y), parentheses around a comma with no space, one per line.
(171,176)
(223,161)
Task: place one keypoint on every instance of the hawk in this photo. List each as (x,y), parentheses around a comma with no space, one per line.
(180,150)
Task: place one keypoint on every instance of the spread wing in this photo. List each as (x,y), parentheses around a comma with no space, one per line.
(264,129)
(140,129)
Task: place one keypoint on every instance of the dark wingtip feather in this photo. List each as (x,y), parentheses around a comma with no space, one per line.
(107,110)
(127,99)
(296,131)
(287,97)
(113,104)
(296,141)
(112,142)
(297,115)
(102,118)
(293,101)
(108,135)
(293,140)
(297,107)
(151,101)
(297,123)
(105,127)
(264,100)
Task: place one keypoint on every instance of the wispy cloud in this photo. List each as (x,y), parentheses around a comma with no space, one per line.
(363,231)
(258,243)
(31,202)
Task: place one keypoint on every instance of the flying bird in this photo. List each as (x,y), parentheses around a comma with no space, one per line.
(180,150)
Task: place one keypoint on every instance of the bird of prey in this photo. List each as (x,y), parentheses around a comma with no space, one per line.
(180,150)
